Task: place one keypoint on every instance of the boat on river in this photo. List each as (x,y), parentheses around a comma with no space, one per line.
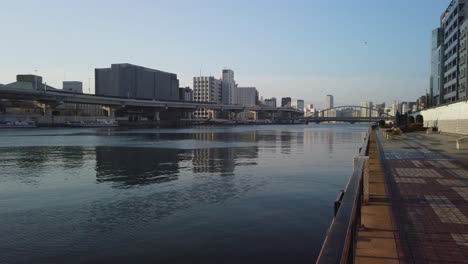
(18,124)
(97,123)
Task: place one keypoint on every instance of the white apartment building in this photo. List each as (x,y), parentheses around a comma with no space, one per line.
(206,89)
(366,111)
(395,107)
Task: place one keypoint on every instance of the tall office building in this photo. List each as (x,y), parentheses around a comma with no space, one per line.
(297,104)
(437,58)
(329,101)
(132,81)
(228,91)
(462,64)
(451,20)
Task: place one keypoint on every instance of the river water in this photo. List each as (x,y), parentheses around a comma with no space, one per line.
(247,194)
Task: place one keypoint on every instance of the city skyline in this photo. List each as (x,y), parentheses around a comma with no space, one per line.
(290,62)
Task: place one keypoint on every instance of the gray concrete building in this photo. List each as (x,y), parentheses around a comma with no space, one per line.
(286,102)
(185,94)
(247,96)
(271,102)
(132,81)
(228,87)
(73,86)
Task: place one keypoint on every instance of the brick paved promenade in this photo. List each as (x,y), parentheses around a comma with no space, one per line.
(427,182)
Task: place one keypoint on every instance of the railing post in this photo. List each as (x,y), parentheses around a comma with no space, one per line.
(365,176)
(365,179)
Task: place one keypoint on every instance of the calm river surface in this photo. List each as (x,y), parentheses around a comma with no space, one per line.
(249,194)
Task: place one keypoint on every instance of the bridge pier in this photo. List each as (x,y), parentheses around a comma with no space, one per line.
(255,115)
(156,116)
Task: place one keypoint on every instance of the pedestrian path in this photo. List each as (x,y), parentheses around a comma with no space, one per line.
(427,179)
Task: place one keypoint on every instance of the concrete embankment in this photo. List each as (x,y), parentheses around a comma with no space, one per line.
(450,118)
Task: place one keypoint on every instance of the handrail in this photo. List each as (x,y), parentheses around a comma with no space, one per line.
(339,244)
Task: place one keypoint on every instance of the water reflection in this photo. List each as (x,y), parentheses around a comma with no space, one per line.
(224,160)
(127,167)
(171,195)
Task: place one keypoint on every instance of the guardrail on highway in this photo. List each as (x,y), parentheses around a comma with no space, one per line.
(340,243)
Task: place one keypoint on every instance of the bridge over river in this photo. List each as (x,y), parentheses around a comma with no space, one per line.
(349,114)
(52,99)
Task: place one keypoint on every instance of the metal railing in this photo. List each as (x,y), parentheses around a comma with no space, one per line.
(340,243)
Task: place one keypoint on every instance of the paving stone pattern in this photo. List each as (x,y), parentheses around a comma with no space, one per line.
(429,196)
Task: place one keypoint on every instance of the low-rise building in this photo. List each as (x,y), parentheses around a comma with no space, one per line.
(73,86)
(271,102)
(286,102)
(185,94)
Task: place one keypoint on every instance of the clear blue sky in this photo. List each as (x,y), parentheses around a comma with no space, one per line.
(303,49)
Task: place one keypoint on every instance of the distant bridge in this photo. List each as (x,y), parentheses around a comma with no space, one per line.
(349,113)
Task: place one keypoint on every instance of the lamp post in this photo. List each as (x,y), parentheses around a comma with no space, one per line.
(89,85)
(35,79)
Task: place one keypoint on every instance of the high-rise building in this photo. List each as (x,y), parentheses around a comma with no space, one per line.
(451,20)
(310,106)
(297,104)
(367,109)
(462,64)
(395,108)
(329,101)
(286,102)
(228,91)
(247,96)
(132,81)
(404,108)
(437,56)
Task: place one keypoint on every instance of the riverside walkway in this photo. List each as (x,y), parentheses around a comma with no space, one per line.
(418,207)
